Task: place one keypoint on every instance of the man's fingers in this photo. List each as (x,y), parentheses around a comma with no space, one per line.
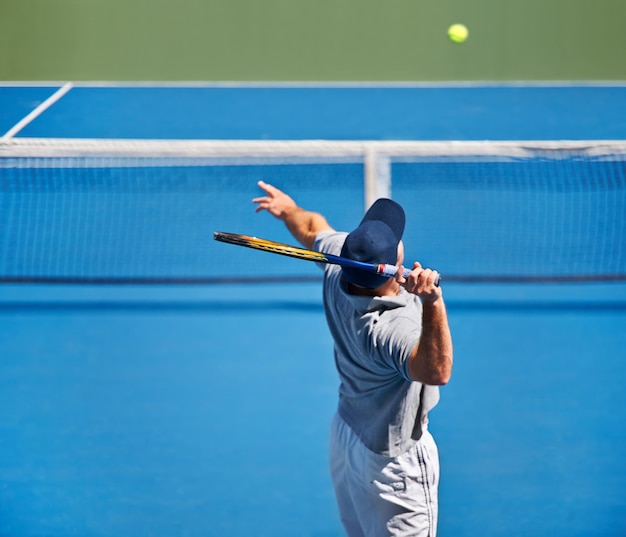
(428,276)
(261,203)
(433,278)
(422,282)
(271,190)
(400,275)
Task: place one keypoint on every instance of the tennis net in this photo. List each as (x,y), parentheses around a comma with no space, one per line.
(141,211)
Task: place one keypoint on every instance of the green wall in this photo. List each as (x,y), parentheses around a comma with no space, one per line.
(316,40)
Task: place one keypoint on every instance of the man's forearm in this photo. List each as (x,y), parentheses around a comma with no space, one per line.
(304,225)
(431,362)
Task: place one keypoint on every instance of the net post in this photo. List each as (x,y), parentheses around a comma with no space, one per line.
(377,176)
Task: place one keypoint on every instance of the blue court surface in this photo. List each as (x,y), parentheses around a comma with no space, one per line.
(339,112)
(203,410)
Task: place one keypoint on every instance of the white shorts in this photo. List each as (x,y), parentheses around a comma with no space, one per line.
(381,496)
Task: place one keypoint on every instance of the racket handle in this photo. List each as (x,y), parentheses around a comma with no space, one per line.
(391,270)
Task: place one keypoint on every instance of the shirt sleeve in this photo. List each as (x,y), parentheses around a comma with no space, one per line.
(396,341)
(329,242)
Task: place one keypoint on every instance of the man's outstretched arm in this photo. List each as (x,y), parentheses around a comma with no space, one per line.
(303,225)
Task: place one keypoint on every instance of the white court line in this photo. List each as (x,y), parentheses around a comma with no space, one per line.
(461,84)
(37,111)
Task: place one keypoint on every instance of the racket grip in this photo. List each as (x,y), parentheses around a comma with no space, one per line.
(391,270)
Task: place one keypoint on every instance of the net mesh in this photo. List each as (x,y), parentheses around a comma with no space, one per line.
(132,211)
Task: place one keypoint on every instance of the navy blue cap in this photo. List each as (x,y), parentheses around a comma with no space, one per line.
(374,241)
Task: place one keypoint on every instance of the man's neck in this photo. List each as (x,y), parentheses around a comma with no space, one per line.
(389,288)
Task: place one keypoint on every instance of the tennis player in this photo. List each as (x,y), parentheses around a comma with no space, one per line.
(393,349)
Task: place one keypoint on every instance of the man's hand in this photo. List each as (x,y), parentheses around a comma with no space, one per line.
(277,203)
(303,225)
(421,282)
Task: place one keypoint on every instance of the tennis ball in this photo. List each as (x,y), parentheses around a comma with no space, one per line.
(458,33)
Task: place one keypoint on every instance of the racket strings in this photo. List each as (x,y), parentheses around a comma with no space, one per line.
(270,246)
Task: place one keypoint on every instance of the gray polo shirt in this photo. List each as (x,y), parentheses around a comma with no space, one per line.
(374,337)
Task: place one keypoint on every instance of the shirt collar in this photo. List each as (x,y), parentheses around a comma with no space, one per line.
(365,304)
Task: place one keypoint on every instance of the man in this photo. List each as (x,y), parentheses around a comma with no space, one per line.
(392,349)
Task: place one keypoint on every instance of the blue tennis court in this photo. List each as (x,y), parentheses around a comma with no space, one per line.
(204,409)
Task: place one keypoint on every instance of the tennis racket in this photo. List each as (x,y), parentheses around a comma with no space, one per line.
(308,255)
